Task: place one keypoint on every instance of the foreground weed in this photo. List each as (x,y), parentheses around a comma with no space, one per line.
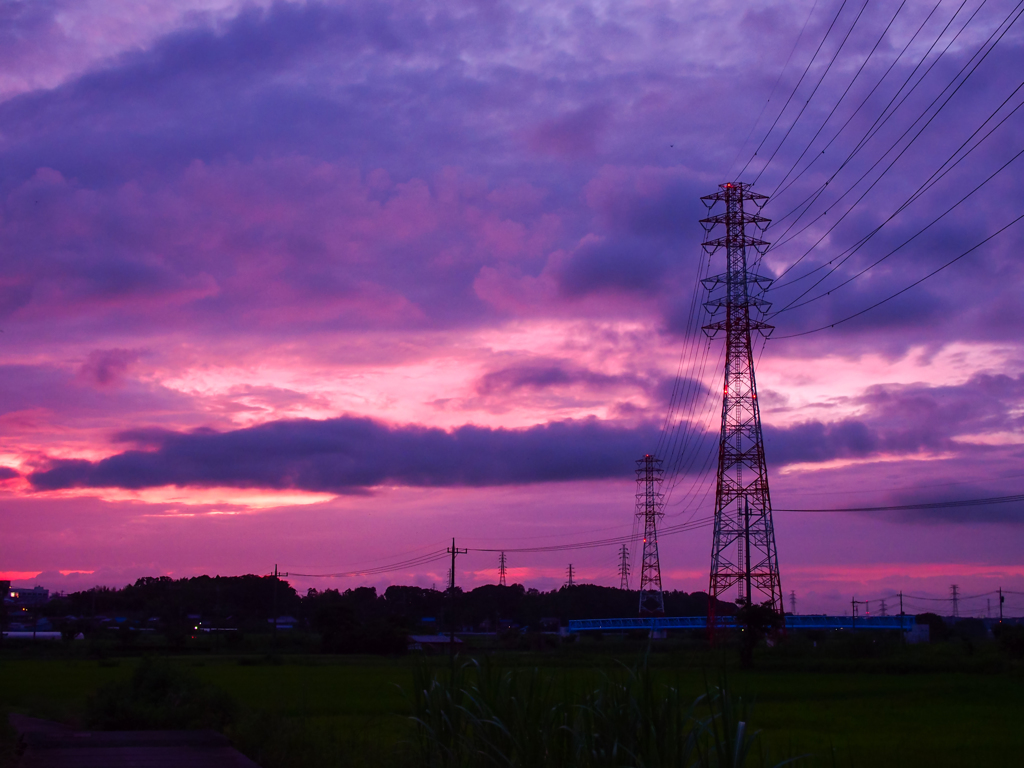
(477,716)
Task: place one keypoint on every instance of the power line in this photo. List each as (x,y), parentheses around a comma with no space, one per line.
(608,542)
(815,89)
(431,557)
(924,505)
(849,86)
(945,168)
(795,87)
(772,92)
(884,116)
(880,121)
(904,290)
(794,305)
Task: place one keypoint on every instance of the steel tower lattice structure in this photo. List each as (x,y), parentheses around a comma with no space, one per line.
(649,503)
(743,550)
(624,567)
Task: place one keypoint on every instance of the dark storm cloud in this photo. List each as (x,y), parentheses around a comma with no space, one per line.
(350,454)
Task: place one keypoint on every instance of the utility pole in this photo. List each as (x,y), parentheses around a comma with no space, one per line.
(277,577)
(1001,601)
(881,609)
(649,503)
(901,602)
(955,590)
(501,570)
(624,568)
(792,602)
(743,550)
(453,551)
(853,612)
(568,573)
(988,607)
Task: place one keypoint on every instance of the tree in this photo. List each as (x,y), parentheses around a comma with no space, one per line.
(756,622)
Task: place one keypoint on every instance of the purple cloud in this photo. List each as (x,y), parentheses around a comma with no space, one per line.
(107,366)
(350,454)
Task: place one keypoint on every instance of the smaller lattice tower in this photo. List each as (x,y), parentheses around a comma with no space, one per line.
(624,567)
(649,503)
(501,570)
(569,573)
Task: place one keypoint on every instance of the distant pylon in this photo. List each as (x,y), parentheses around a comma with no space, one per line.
(649,501)
(569,574)
(501,569)
(792,602)
(955,590)
(882,608)
(624,567)
(743,549)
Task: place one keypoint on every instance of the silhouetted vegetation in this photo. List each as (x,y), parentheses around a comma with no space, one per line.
(354,621)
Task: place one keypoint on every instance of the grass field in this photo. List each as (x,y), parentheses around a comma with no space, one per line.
(331,710)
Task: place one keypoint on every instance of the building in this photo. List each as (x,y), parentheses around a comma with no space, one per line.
(431,642)
(28,596)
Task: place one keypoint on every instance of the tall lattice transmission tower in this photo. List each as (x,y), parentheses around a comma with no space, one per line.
(624,567)
(743,550)
(501,569)
(649,503)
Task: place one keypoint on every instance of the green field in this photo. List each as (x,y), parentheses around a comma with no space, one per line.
(306,710)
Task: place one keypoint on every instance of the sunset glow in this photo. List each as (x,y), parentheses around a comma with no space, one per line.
(320,283)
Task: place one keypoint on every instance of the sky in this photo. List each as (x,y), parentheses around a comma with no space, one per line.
(327,285)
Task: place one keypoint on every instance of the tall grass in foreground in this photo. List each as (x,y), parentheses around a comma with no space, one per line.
(478,716)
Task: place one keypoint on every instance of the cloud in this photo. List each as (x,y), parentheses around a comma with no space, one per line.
(575,133)
(106,366)
(350,454)
(618,265)
(907,419)
(541,375)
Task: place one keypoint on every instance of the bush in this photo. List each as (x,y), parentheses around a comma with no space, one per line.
(158,696)
(1010,639)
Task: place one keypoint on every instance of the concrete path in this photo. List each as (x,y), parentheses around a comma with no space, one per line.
(46,744)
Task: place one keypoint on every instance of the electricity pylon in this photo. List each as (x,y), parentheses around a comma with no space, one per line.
(624,567)
(649,502)
(501,570)
(743,550)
